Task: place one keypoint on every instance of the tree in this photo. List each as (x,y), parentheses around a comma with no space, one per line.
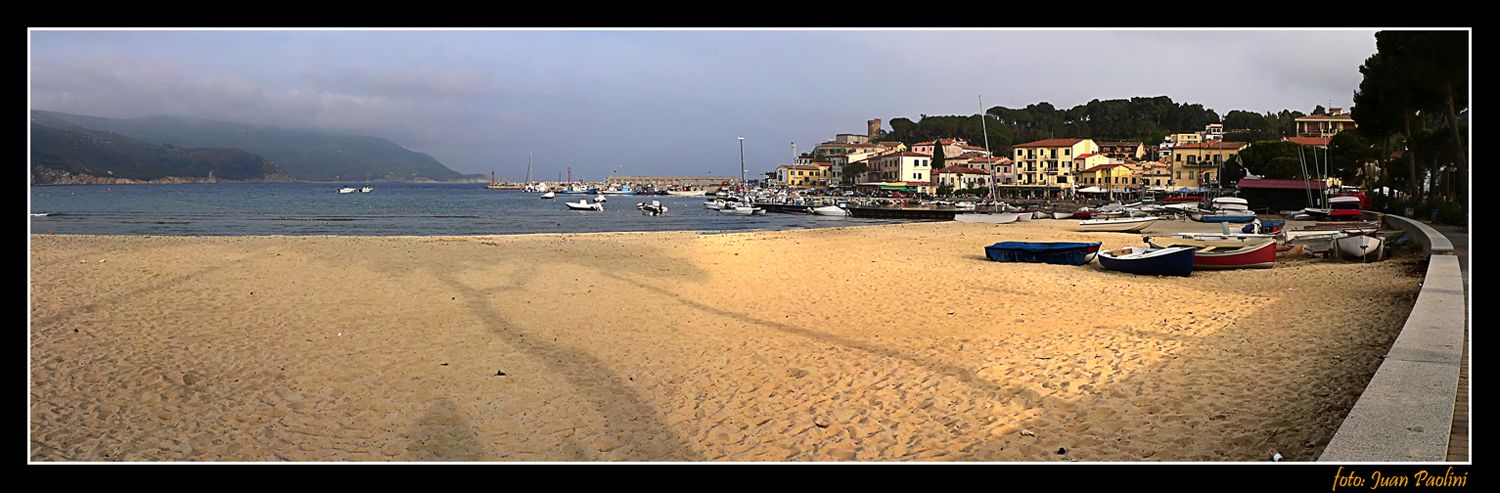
(853,170)
(1319,110)
(939,160)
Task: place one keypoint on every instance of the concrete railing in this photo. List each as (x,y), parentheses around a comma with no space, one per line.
(1432,241)
(1406,412)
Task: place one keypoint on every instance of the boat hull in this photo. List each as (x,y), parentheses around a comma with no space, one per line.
(830,210)
(1174,261)
(687,193)
(1046,253)
(996,218)
(1227,254)
(1132,225)
(1062,215)
(1359,247)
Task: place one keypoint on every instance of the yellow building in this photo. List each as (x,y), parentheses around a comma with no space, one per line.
(1197,165)
(813,175)
(961,178)
(1184,139)
(1115,177)
(1154,175)
(1045,167)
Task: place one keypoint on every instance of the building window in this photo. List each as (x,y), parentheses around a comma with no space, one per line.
(1179,174)
(1178,157)
(1190,175)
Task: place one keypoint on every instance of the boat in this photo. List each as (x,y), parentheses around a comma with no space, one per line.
(654,208)
(687,193)
(584,205)
(1220,237)
(549,195)
(347,190)
(1344,208)
(1085,214)
(1359,247)
(366,189)
(1170,261)
(621,190)
(830,210)
(495,185)
(1121,225)
(1223,216)
(1267,226)
(1062,215)
(601,198)
(994,218)
(1224,254)
(714,205)
(901,213)
(1060,253)
(1025,215)
(741,210)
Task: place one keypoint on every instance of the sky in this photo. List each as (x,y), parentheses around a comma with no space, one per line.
(639,102)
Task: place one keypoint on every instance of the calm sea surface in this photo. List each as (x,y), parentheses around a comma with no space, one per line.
(392,209)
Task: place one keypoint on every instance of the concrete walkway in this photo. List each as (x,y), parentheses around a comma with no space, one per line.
(1458,437)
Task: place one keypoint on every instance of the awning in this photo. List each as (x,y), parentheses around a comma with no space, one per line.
(1091,190)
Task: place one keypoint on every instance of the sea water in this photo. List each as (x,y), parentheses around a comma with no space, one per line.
(391,209)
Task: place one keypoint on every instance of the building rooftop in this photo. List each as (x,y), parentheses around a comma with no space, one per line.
(1052,143)
(1310,141)
(1261,183)
(1213,145)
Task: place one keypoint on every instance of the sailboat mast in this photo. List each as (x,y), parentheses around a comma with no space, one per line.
(983,128)
(528,168)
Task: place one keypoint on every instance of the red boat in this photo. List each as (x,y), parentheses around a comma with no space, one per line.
(1085,214)
(1224,254)
(1190,198)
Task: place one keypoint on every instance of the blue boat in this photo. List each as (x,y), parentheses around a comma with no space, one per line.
(1062,253)
(1226,219)
(1173,261)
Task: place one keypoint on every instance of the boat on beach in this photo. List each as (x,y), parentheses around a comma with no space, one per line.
(1170,261)
(1359,247)
(1060,253)
(994,218)
(1120,225)
(1062,215)
(1230,254)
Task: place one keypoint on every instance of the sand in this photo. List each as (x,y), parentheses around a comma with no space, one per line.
(885,343)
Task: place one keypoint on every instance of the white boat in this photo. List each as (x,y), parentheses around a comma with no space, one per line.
(1359,247)
(1121,225)
(1242,237)
(549,195)
(1223,201)
(600,198)
(830,210)
(689,193)
(584,205)
(1061,215)
(741,210)
(654,208)
(1025,216)
(366,189)
(347,190)
(714,205)
(996,218)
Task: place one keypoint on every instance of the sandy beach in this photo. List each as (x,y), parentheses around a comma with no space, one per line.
(884,343)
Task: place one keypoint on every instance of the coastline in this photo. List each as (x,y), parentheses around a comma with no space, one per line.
(897,342)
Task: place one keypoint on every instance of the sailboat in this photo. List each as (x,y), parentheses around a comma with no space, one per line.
(494,185)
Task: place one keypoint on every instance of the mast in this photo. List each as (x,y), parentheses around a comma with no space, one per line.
(983,128)
(528,168)
(742,161)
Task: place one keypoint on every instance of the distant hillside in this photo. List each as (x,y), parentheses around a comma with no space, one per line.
(305,154)
(76,155)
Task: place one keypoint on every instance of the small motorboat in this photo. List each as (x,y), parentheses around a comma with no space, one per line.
(714,205)
(654,208)
(366,189)
(1170,261)
(1120,225)
(995,218)
(1061,253)
(549,195)
(830,210)
(1358,247)
(601,198)
(348,190)
(741,210)
(584,205)
(1224,254)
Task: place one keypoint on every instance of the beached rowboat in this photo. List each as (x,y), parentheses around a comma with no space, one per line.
(1061,253)
(1171,261)
(1224,254)
(996,218)
(1359,247)
(1121,225)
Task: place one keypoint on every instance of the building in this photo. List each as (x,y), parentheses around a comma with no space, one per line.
(851,139)
(1045,167)
(951,147)
(1123,150)
(1184,139)
(1213,131)
(962,178)
(1004,169)
(900,166)
(813,175)
(1113,177)
(1197,165)
(1085,161)
(893,146)
(1280,195)
(1324,125)
(1154,175)
(872,129)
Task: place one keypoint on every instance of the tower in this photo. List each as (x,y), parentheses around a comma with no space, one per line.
(873,128)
